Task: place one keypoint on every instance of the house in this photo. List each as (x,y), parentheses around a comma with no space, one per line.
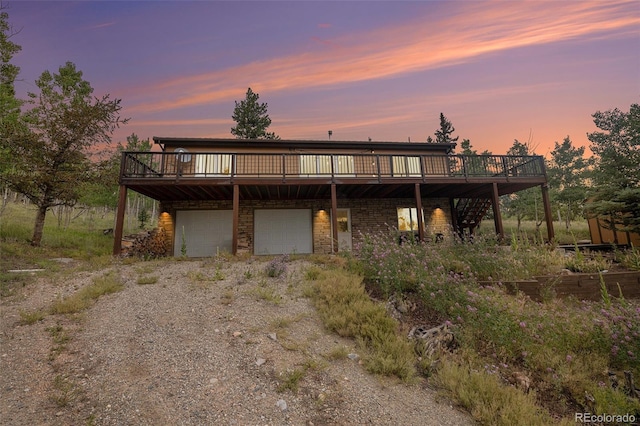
(304,196)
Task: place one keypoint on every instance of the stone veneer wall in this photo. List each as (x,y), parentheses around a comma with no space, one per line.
(367,215)
(379,215)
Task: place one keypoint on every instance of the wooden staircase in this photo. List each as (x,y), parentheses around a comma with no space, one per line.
(470,212)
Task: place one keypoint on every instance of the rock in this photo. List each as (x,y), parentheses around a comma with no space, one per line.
(260,361)
(273,336)
(281,404)
(237,333)
(353,357)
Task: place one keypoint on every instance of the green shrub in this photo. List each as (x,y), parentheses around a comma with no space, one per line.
(345,308)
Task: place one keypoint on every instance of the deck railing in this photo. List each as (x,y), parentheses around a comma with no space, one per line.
(303,166)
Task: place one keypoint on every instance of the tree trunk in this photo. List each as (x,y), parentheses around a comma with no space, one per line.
(5,199)
(39,226)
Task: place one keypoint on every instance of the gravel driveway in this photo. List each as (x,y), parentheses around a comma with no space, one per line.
(204,343)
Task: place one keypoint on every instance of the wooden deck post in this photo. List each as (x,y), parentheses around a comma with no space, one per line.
(548,217)
(334,218)
(117,233)
(497,217)
(236,219)
(419,210)
(454,217)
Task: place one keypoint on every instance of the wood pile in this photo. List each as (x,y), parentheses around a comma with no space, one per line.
(146,244)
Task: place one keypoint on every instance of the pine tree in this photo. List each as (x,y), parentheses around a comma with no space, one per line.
(443,134)
(616,174)
(251,118)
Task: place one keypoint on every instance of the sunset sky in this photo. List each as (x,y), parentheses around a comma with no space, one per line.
(381,69)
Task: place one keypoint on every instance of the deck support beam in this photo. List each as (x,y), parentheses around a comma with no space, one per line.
(419,211)
(334,218)
(117,232)
(497,216)
(236,219)
(454,217)
(548,217)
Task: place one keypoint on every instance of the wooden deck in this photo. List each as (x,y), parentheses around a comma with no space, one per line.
(206,175)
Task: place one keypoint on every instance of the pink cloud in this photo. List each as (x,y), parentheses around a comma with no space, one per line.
(98,26)
(409,48)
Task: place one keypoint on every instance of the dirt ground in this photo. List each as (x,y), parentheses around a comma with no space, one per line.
(202,343)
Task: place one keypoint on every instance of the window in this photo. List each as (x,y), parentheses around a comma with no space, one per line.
(320,165)
(343,165)
(408,219)
(213,164)
(406,166)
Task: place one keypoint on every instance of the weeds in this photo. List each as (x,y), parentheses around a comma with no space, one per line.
(31,317)
(339,352)
(567,345)
(149,279)
(59,338)
(218,275)
(291,380)
(201,277)
(629,258)
(64,391)
(487,399)
(227,297)
(266,293)
(312,273)
(84,298)
(589,262)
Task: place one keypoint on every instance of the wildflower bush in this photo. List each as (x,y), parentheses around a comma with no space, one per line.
(277,267)
(566,347)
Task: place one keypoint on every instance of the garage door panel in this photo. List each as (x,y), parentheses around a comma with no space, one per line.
(283,231)
(206,232)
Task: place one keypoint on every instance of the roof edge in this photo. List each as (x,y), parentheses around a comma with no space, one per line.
(296,143)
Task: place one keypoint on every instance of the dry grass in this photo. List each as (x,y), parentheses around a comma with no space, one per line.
(345,308)
(487,398)
(86,297)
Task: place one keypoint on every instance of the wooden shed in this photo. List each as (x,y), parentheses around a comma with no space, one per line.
(601,234)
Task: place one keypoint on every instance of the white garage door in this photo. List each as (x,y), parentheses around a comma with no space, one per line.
(283,231)
(206,232)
